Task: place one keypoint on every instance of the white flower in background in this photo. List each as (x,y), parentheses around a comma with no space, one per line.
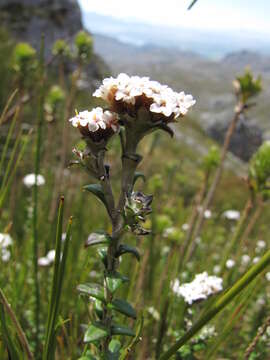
(31,179)
(207,332)
(162,99)
(230,263)
(185,227)
(245,259)
(231,214)
(261,244)
(255,260)
(154,313)
(48,259)
(168,231)
(267,276)
(207,214)
(199,289)
(5,242)
(95,120)
(261,302)
(5,254)
(44,261)
(165,250)
(216,269)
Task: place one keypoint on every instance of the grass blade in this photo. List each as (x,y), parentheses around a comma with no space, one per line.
(16,324)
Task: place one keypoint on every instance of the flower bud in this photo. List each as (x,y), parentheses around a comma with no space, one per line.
(259,169)
(136,208)
(84,45)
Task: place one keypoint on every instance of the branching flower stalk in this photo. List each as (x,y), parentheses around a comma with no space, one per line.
(246,87)
(137,107)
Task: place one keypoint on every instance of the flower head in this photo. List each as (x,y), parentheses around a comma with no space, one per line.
(199,289)
(5,242)
(31,179)
(96,124)
(129,93)
(231,214)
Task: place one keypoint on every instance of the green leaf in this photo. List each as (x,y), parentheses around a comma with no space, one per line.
(122,330)
(96,189)
(114,350)
(98,308)
(93,290)
(115,280)
(96,331)
(96,238)
(127,249)
(138,175)
(102,252)
(114,346)
(123,307)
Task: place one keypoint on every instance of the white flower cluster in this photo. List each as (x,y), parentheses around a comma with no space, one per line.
(48,259)
(231,214)
(199,289)
(127,89)
(5,242)
(95,119)
(30,180)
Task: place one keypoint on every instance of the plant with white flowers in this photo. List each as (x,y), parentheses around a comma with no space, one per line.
(136,106)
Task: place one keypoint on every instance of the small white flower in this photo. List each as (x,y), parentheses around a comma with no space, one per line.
(255,260)
(207,214)
(267,276)
(185,227)
(232,214)
(261,244)
(5,254)
(51,255)
(48,259)
(245,259)
(165,250)
(154,313)
(216,269)
(230,263)
(44,261)
(260,302)
(5,240)
(31,179)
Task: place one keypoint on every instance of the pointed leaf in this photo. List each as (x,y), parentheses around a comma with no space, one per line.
(127,249)
(102,252)
(123,307)
(96,238)
(115,280)
(122,330)
(96,189)
(138,175)
(93,290)
(98,308)
(96,331)
(167,129)
(114,350)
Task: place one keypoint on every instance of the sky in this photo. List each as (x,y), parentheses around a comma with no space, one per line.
(246,15)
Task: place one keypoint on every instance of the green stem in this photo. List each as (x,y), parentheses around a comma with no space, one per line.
(243,282)
(35,196)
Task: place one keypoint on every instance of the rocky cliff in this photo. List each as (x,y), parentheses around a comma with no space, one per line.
(27,20)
